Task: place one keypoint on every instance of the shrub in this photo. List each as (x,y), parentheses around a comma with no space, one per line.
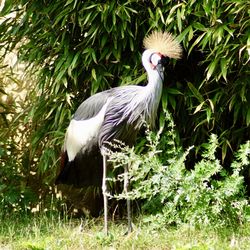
(206,194)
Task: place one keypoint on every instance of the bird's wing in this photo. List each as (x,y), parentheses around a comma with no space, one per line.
(81,158)
(91,106)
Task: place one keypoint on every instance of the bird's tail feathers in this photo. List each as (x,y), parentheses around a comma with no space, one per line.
(64,168)
(83,171)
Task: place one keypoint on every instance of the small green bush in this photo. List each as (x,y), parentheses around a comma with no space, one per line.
(206,194)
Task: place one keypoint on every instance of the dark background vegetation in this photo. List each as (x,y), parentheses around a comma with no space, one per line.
(76,48)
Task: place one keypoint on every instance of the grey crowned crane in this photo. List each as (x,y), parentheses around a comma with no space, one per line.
(117,113)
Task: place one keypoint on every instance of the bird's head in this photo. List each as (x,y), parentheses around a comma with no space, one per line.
(160,46)
(153,60)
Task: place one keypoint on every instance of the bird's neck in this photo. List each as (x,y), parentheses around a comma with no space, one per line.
(154,85)
(153,90)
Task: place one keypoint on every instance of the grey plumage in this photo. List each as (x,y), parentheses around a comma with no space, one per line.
(129,107)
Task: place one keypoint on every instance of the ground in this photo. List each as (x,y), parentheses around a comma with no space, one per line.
(53,232)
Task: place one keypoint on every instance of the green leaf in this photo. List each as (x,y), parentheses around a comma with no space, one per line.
(174,91)
(199,107)
(8,4)
(172,101)
(225,145)
(197,41)
(59,64)
(211,68)
(93,73)
(223,66)
(248,117)
(179,21)
(211,104)
(204,121)
(74,61)
(183,34)
(68,2)
(195,92)
(209,114)
(104,40)
(190,34)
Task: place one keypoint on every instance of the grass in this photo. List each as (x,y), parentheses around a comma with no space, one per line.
(53,232)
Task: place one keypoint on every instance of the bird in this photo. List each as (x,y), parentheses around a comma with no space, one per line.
(115,114)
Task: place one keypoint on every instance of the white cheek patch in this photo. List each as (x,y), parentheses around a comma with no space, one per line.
(79,133)
(155,58)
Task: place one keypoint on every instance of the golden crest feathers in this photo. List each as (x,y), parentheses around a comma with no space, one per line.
(164,43)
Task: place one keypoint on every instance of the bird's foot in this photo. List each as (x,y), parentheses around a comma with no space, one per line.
(129,231)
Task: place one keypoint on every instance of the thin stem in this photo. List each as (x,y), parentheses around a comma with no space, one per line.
(126,190)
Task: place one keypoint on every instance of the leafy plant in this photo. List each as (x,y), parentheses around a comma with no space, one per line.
(206,195)
(21,186)
(14,195)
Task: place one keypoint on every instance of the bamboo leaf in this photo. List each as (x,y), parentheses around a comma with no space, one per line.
(75,60)
(6,7)
(195,92)
(199,38)
(211,68)
(200,123)
(172,101)
(248,117)
(209,114)
(224,150)
(174,91)
(223,66)
(179,21)
(198,108)
(183,34)
(211,104)
(93,73)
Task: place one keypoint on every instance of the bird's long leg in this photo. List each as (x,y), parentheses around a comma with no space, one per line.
(104,192)
(126,190)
